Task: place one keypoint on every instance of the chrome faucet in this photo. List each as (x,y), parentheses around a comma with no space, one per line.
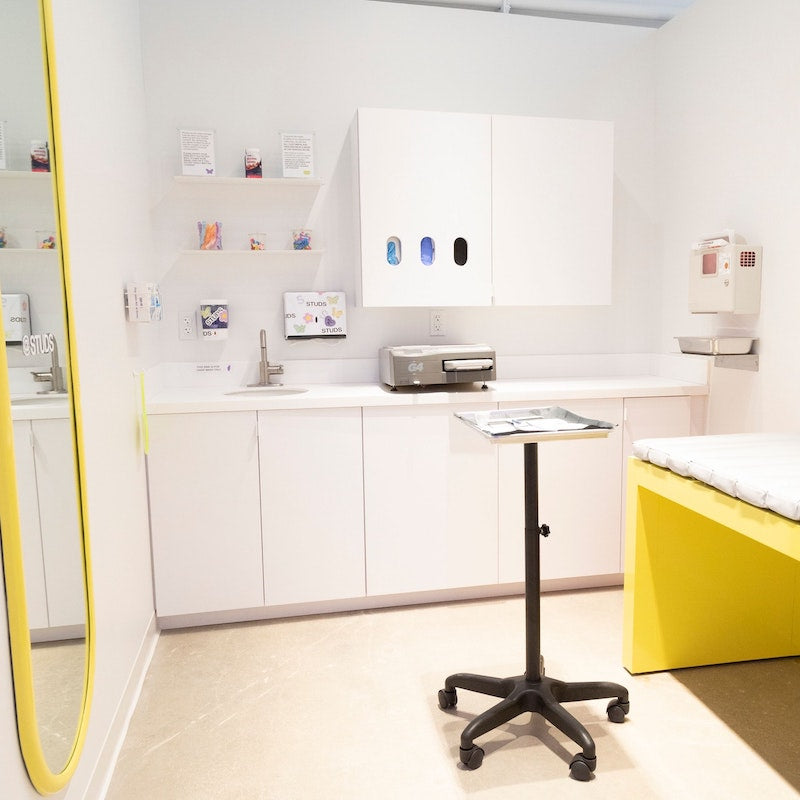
(265,369)
(55,375)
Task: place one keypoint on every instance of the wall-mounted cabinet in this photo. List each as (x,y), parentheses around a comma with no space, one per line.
(473,209)
(552,198)
(425,195)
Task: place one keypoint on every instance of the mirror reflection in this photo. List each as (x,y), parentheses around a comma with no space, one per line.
(34,322)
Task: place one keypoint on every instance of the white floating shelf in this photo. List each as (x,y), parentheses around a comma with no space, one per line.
(14,174)
(9,252)
(213,180)
(307,254)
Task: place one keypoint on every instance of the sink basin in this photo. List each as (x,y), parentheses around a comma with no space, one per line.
(267,391)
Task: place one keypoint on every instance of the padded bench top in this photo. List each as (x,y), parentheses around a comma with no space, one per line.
(762,469)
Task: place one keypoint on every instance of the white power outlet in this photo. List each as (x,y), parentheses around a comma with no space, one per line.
(437,323)
(186,325)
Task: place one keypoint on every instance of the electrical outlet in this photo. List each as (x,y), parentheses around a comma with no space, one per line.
(186,325)
(437,323)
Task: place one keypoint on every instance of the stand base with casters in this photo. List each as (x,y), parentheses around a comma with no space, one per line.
(533,692)
(542,696)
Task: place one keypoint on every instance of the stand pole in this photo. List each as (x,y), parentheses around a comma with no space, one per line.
(533,654)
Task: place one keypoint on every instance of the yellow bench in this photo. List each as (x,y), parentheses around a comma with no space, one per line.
(709,578)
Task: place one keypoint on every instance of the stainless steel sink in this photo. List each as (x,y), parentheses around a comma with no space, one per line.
(267,391)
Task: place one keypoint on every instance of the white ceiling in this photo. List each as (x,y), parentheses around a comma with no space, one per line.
(650,13)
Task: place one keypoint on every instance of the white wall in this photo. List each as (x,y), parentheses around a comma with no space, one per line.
(726,123)
(103,125)
(305,65)
(728,127)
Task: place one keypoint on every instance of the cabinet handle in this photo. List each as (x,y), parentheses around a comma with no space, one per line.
(427,251)
(394,251)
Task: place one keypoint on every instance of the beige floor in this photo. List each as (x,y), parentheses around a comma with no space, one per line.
(343,707)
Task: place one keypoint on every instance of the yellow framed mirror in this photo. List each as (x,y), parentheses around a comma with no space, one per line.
(43,533)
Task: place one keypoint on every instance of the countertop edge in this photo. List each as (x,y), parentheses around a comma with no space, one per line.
(201,400)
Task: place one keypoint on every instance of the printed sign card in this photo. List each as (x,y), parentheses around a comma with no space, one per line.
(197,152)
(297,150)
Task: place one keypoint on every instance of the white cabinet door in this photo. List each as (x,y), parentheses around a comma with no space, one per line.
(62,551)
(312,504)
(645,418)
(205,512)
(579,498)
(425,174)
(430,501)
(30,527)
(648,417)
(552,193)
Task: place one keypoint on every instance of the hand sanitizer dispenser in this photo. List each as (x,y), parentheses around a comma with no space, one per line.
(725,275)
(16,317)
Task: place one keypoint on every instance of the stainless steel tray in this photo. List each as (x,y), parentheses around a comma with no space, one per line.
(715,345)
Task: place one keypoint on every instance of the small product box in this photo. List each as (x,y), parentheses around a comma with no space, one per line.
(40,156)
(214,319)
(252,163)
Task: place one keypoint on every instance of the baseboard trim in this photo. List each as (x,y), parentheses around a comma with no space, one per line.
(115,736)
(380,601)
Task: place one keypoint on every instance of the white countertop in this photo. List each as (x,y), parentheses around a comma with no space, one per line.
(341,395)
(39,406)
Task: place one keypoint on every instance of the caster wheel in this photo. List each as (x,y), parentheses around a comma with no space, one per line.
(447,698)
(581,768)
(616,711)
(471,758)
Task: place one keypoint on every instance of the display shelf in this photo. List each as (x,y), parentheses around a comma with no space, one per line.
(267,254)
(212,180)
(279,204)
(15,174)
(8,252)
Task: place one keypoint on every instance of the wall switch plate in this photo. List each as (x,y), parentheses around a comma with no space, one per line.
(437,327)
(186,329)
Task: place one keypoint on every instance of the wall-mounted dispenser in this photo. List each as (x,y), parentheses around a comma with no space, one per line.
(315,314)
(725,275)
(16,317)
(143,302)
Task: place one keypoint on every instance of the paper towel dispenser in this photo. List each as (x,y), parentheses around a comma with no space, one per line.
(16,317)
(725,275)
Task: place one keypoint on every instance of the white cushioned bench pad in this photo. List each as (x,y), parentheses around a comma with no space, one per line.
(762,469)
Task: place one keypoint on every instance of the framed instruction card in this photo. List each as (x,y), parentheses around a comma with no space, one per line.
(297,150)
(197,152)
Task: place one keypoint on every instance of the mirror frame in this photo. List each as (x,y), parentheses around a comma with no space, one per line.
(44,780)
